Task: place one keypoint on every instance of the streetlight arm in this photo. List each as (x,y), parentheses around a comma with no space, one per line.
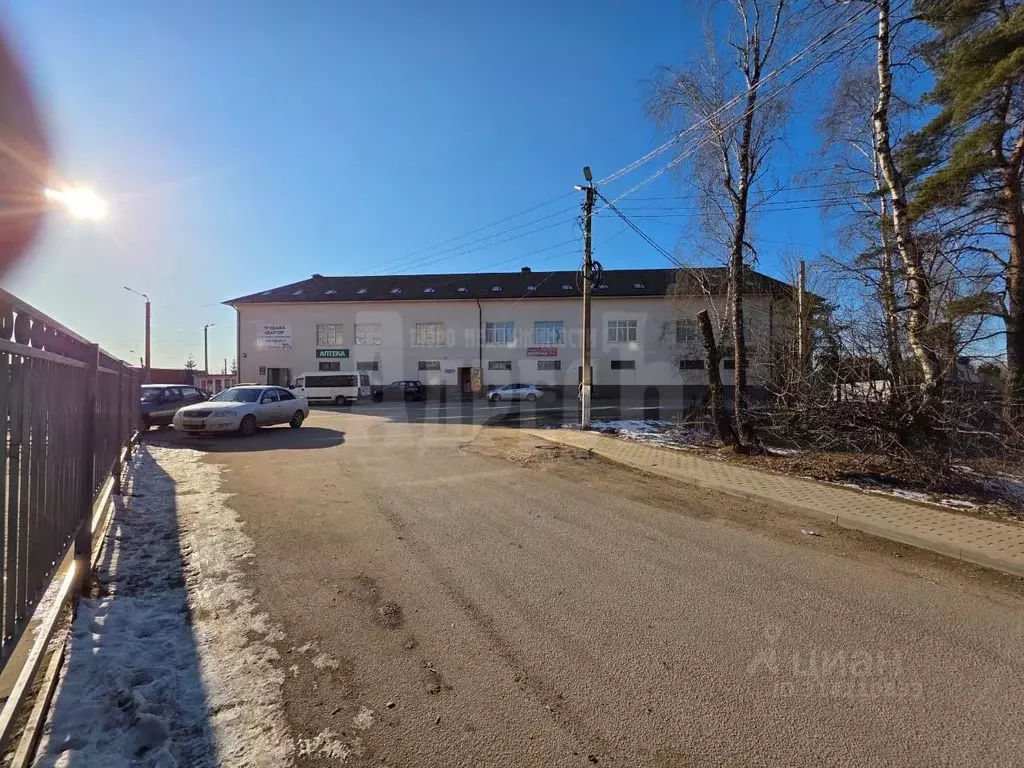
(137,293)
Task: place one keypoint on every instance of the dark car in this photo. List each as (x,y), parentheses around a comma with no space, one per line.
(405,390)
(161,401)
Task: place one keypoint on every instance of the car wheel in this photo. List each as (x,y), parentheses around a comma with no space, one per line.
(340,400)
(248,426)
(531,397)
(297,420)
(495,398)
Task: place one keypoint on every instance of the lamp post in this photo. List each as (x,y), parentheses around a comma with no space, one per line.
(206,347)
(148,318)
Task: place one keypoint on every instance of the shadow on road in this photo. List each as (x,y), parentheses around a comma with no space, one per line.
(265,439)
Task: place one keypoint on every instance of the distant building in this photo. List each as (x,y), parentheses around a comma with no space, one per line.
(168,376)
(214,382)
(467,332)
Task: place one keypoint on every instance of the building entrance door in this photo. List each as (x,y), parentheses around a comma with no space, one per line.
(466,381)
(279,377)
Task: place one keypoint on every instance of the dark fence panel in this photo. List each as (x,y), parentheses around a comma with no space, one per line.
(66,411)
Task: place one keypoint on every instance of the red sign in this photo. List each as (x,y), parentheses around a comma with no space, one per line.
(542,351)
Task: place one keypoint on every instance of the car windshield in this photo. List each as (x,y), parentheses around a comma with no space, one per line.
(238,395)
(151,393)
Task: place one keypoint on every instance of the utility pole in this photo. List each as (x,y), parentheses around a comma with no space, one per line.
(206,347)
(588,269)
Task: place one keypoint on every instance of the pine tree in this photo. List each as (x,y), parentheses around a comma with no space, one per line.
(969,156)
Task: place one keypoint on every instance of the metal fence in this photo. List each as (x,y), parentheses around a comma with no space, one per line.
(66,410)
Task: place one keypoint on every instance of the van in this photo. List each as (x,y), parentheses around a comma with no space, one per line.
(336,387)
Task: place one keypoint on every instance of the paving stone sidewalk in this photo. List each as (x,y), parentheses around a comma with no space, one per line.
(990,543)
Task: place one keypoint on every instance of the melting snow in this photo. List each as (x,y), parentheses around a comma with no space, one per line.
(172,666)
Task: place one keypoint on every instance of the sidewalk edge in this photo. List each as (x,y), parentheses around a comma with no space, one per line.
(948,549)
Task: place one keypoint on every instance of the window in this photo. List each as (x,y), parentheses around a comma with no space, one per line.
(623,365)
(548,332)
(329,366)
(686,331)
(496,289)
(361,292)
(429,335)
(369,365)
(602,286)
(395,291)
(639,286)
(189,392)
(531,287)
(566,287)
(463,289)
(321,382)
(171,394)
(284,394)
(621,331)
(367,333)
(330,334)
(428,289)
(330,292)
(499,365)
(691,365)
(499,333)
(549,365)
(269,396)
(297,293)
(429,365)
(729,363)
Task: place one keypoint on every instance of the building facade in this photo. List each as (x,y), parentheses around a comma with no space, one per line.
(469,333)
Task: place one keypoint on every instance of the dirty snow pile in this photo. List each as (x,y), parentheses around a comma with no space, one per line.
(667,434)
(171,665)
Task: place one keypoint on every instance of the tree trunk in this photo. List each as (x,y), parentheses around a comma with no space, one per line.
(918,289)
(715,397)
(1014,406)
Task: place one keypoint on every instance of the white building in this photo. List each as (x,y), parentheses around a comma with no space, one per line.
(465,332)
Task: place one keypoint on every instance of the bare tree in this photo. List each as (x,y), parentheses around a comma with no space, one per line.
(917,285)
(732,145)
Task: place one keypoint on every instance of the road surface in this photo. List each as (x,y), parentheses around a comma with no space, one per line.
(455,595)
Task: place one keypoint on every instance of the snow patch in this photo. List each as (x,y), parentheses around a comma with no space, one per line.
(172,665)
(325,744)
(364,719)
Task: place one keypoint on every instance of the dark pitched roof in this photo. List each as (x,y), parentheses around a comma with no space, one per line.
(505,285)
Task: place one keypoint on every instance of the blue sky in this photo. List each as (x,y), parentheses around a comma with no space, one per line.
(247,144)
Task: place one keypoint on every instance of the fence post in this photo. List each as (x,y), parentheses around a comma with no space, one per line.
(83,540)
(118,469)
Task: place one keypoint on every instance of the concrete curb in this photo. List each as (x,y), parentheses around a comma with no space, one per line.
(950,548)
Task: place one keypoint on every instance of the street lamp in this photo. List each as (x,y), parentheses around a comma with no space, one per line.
(80,202)
(148,314)
(206,347)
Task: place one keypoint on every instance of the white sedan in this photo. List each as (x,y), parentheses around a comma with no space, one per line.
(515,392)
(243,410)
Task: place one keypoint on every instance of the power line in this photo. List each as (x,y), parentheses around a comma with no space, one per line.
(772,94)
(471,232)
(640,232)
(734,101)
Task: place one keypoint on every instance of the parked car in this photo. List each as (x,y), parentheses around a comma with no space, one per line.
(160,402)
(516,392)
(408,391)
(243,409)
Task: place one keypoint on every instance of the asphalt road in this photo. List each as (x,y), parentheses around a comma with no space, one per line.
(492,602)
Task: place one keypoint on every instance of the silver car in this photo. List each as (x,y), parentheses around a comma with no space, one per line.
(515,392)
(243,410)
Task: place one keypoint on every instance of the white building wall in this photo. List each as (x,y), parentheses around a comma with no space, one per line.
(655,353)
